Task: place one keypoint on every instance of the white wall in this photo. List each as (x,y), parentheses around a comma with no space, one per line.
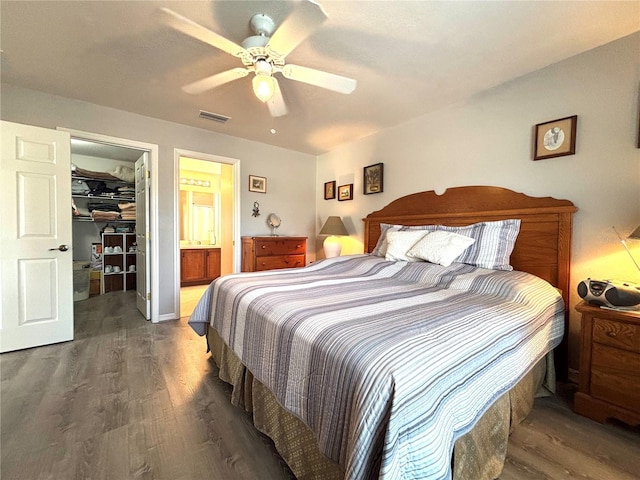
(291,175)
(488,141)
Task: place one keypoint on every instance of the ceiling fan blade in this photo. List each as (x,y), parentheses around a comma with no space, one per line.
(215,80)
(191,28)
(277,107)
(330,81)
(302,22)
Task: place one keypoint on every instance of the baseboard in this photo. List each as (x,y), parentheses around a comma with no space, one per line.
(168,317)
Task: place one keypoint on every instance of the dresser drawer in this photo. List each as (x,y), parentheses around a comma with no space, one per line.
(616,334)
(279,261)
(279,247)
(615,376)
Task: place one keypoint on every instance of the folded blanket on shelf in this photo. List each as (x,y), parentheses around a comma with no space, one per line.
(124,173)
(79,187)
(103,216)
(105,207)
(81,172)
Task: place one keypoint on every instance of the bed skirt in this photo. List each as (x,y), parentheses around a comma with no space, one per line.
(477,455)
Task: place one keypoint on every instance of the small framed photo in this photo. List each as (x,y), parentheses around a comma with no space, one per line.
(257,184)
(373,178)
(330,190)
(345,192)
(556,138)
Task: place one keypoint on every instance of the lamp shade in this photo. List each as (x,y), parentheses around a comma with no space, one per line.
(635,235)
(333,226)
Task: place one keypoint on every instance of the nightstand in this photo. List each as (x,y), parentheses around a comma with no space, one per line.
(609,365)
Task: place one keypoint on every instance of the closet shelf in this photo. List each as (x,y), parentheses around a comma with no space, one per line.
(105,197)
(88,219)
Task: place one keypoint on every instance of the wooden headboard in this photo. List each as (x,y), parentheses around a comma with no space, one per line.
(543,247)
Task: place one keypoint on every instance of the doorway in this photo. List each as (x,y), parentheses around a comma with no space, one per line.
(100,153)
(206,223)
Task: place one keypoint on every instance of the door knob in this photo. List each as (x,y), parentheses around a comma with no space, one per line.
(62,248)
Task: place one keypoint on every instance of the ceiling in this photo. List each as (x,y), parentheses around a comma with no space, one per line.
(409,58)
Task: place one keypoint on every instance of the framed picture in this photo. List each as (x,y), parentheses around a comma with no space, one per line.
(330,190)
(345,192)
(257,184)
(556,138)
(373,178)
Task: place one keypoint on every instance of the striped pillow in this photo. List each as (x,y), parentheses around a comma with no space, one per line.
(381,246)
(493,246)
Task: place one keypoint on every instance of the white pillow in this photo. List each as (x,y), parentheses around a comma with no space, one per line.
(440,247)
(399,242)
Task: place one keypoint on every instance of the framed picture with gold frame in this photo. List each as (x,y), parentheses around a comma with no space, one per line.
(345,192)
(556,138)
(330,190)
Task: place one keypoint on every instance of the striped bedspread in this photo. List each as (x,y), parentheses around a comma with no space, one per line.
(388,363)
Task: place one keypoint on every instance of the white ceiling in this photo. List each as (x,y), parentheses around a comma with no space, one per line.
(409,58)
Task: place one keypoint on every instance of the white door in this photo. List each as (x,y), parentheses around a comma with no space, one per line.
(36,287)
(143,297)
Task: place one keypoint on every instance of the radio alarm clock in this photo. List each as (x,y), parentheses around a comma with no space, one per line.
(610,294)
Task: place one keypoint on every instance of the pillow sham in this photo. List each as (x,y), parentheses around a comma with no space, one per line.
(494,242)
(427,228)
(440,247)
(381,245)
(400,242)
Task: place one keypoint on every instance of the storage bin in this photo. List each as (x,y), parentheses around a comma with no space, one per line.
(94,282)
(81,272)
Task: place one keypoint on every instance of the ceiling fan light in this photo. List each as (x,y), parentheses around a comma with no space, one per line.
(263,87)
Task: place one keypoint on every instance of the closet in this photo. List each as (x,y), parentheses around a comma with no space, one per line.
(104,214)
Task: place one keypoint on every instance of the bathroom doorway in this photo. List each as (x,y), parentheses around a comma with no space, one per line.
(206,224)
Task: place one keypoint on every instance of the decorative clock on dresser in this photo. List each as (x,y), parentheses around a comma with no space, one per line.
(609,365)
(270,253)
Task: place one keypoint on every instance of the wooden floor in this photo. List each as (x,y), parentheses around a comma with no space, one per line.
(131,400)
(189,297)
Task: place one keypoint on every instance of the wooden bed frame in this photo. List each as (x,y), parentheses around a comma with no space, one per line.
(543,247)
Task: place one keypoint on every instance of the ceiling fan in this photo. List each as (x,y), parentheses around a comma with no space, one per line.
(263,54)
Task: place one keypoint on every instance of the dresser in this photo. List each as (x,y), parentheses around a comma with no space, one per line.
(609,365)
(269,253)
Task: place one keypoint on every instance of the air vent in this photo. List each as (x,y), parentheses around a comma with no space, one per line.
(213,116)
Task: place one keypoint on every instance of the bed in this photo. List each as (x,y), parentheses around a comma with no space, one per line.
(370,366)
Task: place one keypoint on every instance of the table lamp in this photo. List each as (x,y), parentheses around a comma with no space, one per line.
(332,244)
